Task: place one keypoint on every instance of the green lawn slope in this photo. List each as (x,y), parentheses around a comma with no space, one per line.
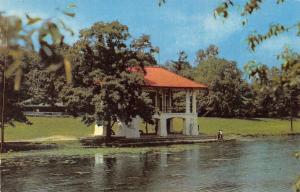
(68,128)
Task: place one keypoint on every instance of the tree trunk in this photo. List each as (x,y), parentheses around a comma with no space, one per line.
(291,114)
(2,111)
(108,129)
(291,121)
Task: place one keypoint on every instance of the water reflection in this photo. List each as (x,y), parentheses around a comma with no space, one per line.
(241,166)
(98,159)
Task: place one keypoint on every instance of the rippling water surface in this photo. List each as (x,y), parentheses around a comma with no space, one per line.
(244,166)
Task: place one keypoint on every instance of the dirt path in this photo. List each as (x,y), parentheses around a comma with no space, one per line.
(52,138)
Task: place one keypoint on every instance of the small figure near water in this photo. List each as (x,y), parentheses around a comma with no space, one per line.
(220,135)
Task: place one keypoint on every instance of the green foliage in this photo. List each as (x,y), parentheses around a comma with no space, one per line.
(277,90)
(32,20)
(108,75)
(225,87)
(211,52)
(255,39)
(11,105)
(290,68)
(224,97)
(222,9)
(181,66)
(44,84)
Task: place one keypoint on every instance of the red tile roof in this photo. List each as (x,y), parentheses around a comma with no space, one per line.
(163,78)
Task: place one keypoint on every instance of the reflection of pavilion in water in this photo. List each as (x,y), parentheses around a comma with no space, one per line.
(129,172)
(161,84)
(145,172)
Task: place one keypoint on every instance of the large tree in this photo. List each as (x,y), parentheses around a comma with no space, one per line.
(108,76)
(17,38)
(224,97)
(277,89)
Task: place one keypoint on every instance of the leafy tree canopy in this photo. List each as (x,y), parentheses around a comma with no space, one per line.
(106,86)
(225,84)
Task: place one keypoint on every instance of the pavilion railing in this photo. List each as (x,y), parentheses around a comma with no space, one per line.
(173,109)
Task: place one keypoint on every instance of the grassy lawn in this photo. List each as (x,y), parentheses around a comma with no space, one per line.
(260,126)
(70,128)
(42,127)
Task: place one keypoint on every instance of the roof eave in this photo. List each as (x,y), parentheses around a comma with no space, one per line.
(175,87)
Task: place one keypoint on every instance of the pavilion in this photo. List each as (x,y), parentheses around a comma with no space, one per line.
(161,83)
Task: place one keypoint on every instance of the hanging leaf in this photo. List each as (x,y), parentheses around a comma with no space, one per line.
(31,20)
(65,27)
(68,70)
(69,14)
(53,67)
(55,33)
(72,5)
(47,50)
(12,68)
(16,55)
(18,24)
(297,185)
(280,1)
(27,39)
(18,77)
(161,2)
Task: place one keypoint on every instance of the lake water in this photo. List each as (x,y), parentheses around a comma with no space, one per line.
(263,165)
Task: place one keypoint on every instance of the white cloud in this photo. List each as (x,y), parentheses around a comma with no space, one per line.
(276,44)
(198,31)
(216,29)
(22,14)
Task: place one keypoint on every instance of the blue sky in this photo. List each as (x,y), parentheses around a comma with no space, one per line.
(186,25)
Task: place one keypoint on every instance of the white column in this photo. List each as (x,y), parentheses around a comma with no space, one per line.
(186,130)
(120,132)
(172,125)
(163,95)
(156,99)
(194,126)
(170,101)
(132,129)
(194,102)
(98,159)
(136,123)
(163,160)
(100,130)
(162,128)
(187,102)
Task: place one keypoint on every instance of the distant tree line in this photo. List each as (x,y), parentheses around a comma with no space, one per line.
(231,94)
(258,92)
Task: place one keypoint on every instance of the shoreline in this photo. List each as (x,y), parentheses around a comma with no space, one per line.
(43,145)
(58,138)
